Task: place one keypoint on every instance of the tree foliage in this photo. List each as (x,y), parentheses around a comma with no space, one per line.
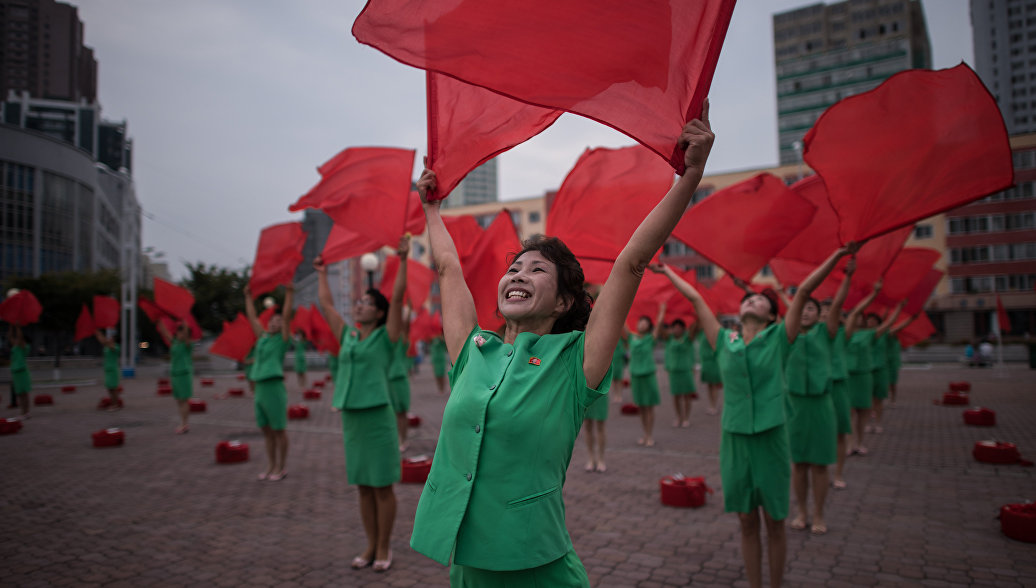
(63,294)
(218,294)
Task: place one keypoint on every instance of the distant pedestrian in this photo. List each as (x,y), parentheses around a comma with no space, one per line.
(181,370)
(271,397)
(643,373)
(710,375)
(111,369)
(437,351)
(679,364)
(21,380)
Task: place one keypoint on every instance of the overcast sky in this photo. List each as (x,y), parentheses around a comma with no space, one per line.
(232,104)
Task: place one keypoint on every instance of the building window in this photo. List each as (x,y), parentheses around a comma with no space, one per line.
(534,216)
(923,231)
(704,272)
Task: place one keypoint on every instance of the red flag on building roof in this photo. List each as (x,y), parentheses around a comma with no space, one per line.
(1002,319)
(173,299)
(643,68)
(465,231)
(919,330)
(908,269)
(488,263)
(84,325)
(469,125)
(919,296)
(742,227)
(604,198)
(920,143)
(106,312)
(418,280)
(236,340)
(276,257)
(21,309)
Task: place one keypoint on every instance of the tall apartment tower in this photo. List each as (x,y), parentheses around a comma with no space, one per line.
(826,52)
(1004,34)
(479,187)
(43,52)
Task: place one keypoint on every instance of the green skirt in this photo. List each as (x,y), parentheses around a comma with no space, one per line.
(710,373)
(860,386)
(894,373)
(271,404)
(183,386)
(881,383)
(438,365)
(111,379)
(300,363)
(598,411)
(399,394)
(756,471)
(843,413)
(645,390)
(22,382)
(564,572)
(681,383)
(371,446)
(812,429)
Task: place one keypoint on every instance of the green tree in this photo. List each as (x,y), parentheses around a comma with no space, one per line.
(218,294)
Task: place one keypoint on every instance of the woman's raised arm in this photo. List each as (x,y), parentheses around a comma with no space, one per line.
(707,321)
(394,320)
(327,300)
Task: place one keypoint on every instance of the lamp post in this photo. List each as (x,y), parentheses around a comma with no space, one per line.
(369,263)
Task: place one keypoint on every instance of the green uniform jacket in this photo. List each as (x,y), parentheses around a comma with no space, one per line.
(894,349)
(493,497)
(753,379)
(400,365)
(642,354)
(180,362)
(839,362)
(300,356)
(859,351)
(111,366)
(362,378)
(618,359)
(679,354)
(807,371)
(879,353)
(270,350)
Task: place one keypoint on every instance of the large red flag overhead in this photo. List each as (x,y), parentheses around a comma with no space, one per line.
(920,143)
(820,237)
(908,269)
(488,263)
(919,296)
(469,125)
(236,340)
(919,330)
(604,198)
(724,297)
(323,338)
(345,243)
(465,231)
(300,322)
(84,325)
(643,68)
(654,289)
(173,299)
(21,309)
(1002,320)
(873,260)
(418,280)
(106,312)
(742,227)
(425,325)
(276,257)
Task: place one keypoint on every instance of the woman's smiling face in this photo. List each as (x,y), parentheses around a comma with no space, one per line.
(529,289)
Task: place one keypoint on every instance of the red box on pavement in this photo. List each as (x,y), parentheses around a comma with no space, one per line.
(10,426)
(683,492)
(318,384)
(298,411)
(231,452)
(415,469)
(109,438)
(955,399)
(165,389)
(208,382)
(1018,521)
(630,408)
(327,377)
(164,382)
(980,417)
(197,405)
(43,400)
(996,452)
(413,420)
(240,377)
(68,389)
(106,403)
(311,394)
(960,386)
(236,391)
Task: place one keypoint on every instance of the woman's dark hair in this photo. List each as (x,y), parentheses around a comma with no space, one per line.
(570,281)
(644,317)
(770,297)
(872,315)
(381,303)
(678,322)
(814,302)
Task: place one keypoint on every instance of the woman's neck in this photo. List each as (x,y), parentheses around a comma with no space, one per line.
(365,329)
(539,327)
(750,327)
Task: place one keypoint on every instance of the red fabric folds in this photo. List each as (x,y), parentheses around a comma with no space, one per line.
(21,309)
(84,325)
(820,237)
(616,62)
(367,190)
(276,257)
(300,322)
(487,264)
(236,340)
(920,143)
(418,280)
(1002,319)
(724,297)
(425,326)
(742,227)
(908,269)
(345,243)
(873,260)
(918,330)
(173,299)
(465,231)
(469,125)
(919,296)
(323,338)
(604,198)
(106,312)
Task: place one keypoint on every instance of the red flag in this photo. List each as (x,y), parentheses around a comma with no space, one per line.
(921,143)
(487,264)
(643,68)
(21,309)
(300,322)
(153,312)
(236,340)
(84,325)
(323,338)
(106,312)
(604,198)
(367,190)
(345,243)
(425,325)
(919,330)
(1002,319)
(469,125)
(820,237)
(919,296)
(724,297)
(742,227)
(265,316)
(654,289)
(276,257)
(908,269)
(873,260)
(465,231)
(418,280)
(173,299)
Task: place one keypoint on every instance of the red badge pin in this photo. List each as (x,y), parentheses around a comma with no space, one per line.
(534,361)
